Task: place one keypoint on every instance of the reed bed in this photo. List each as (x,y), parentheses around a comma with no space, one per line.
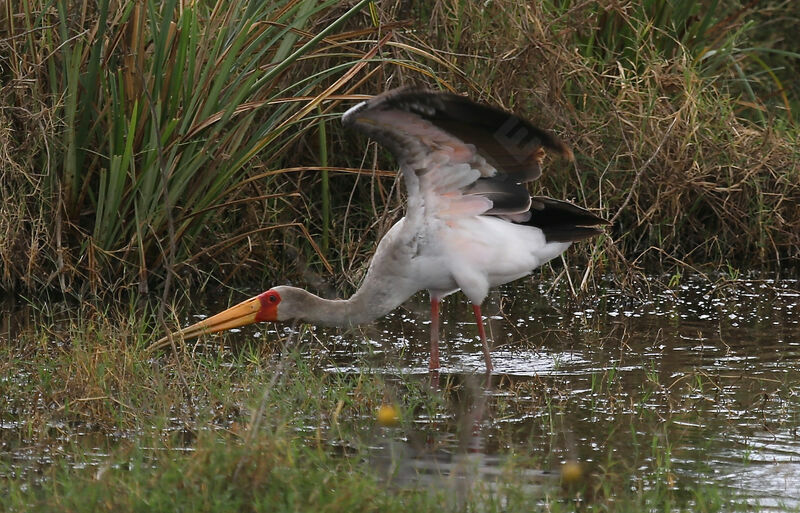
(143,142)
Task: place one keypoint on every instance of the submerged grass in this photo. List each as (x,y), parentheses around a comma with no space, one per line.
(90,422)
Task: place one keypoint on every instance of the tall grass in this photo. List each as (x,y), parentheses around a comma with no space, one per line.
(135,125)
(679,113)
(717,35)
(161,107)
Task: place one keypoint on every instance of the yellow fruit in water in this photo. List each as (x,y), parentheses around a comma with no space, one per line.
(571,472)
(387,415)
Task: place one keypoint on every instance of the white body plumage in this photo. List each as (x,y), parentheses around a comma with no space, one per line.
(470,222)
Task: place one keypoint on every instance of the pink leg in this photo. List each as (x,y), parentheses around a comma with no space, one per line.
(482,333)
(434,364)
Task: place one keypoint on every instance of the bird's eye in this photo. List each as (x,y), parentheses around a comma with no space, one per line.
(273,298)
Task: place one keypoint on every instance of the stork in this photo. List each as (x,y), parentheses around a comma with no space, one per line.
(470,222)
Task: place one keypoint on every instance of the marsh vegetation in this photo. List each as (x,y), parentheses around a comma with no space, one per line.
(159,160)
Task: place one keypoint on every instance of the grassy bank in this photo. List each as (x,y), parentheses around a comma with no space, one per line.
(140,143)
(129,125)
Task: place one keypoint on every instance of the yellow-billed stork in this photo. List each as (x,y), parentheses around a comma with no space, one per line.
(470,222)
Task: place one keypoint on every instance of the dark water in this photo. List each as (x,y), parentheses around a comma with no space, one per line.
(698,383)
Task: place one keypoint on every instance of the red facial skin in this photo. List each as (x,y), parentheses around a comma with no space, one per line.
(269,306)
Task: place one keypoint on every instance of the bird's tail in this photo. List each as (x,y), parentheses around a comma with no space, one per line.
(562,221)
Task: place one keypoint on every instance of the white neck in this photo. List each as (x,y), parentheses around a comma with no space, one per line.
(366,305)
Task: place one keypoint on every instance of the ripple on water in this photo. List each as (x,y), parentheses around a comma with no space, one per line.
(710,366)
(707,371)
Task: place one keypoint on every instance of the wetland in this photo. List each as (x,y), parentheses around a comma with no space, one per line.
(683,395)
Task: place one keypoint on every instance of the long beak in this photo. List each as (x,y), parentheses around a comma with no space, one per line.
(247,312)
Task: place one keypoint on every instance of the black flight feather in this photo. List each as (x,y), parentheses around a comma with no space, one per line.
(562,221)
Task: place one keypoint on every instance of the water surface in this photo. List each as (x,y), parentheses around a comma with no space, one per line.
(693,383)
(697,383)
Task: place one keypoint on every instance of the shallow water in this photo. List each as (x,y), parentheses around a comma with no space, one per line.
(698,383)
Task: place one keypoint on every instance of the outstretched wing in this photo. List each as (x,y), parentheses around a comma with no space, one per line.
(458,157)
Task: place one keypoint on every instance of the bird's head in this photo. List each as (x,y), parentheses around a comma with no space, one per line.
(274,304)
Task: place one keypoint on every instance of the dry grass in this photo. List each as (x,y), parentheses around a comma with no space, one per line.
(691,172)
(661,146)
(27,232)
